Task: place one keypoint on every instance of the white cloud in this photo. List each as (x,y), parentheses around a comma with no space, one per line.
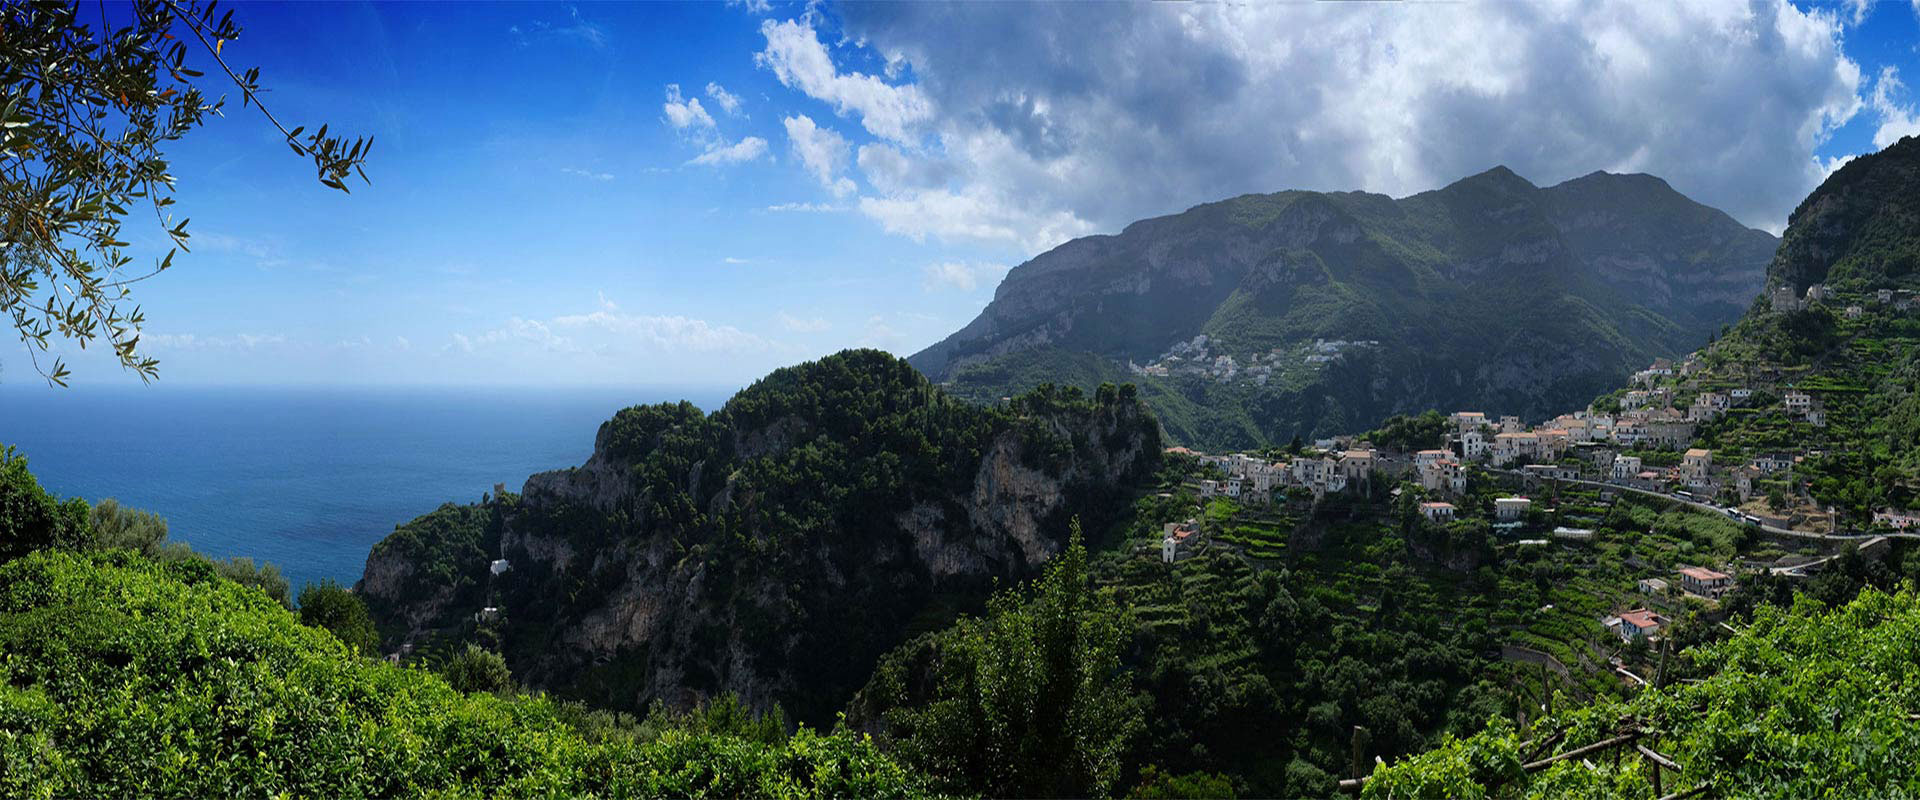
(732,260)
(1897,118)
(588,174)
(600,299)
(763,7)
(517,330)
(795,324)
(728,101)
(748,149)
(666,332)
(961,276)
(978,214)
(685,112)
(813,208)
(576,29)
(800,61)
(401,343)
(1856,11)
(159,342)
(1092,116)
(823,151)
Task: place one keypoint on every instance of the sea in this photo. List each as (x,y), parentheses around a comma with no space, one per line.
(308,479)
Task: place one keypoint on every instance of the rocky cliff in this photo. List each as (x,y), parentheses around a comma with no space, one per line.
(1258,318)
(774,548)
(1860,230)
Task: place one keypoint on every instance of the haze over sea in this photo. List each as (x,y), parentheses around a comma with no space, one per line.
(309,478)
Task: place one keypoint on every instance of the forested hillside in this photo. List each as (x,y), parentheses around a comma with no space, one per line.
(1252,320)
(774,548)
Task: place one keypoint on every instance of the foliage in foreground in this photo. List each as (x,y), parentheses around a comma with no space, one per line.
(1804,703)
(1026,701)
(33,519)
(88,111)
(125,677)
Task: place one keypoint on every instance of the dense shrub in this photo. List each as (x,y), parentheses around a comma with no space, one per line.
(124,677)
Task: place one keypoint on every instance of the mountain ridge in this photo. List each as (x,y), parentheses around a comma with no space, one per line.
(1489,292)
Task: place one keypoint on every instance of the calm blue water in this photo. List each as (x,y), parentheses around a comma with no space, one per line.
(308,479)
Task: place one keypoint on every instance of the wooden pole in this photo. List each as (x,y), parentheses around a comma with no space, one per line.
(1359,746)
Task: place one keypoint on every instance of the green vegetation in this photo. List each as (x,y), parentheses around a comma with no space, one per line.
(785,542)
(31,519)
(1411,305)
(1408,434)
(126,677)
(1027,700)
(1802,703)
(329,607)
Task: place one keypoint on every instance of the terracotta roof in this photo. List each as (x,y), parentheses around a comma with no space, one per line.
(1642,619)
(1437,505)
(1702,574)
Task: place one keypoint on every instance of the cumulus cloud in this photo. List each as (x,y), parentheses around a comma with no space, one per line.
(961,276)
(800,61)
(824,153)
(728,101)
(685,112)
(1029,124)
(719,153)
(1898,117)
(516,330)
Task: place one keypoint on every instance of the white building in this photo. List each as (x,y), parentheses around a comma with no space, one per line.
(1511,509)
(1625,467)
(1178,540)
(1437,512)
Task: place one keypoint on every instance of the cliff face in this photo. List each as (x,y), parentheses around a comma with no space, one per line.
(776,548)
(1489,293)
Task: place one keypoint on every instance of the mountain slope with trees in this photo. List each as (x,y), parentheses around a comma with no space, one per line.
(774,548)
(1490,293)
(1853,352)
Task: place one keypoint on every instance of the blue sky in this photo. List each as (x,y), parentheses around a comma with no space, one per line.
(649,194)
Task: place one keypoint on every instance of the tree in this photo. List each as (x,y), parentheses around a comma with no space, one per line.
(1029,701)
(477,670)
(116,527)
(85,120)
(30,518)
(330,606)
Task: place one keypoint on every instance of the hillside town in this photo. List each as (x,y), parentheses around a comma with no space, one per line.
(1204,356)
(1642,440)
